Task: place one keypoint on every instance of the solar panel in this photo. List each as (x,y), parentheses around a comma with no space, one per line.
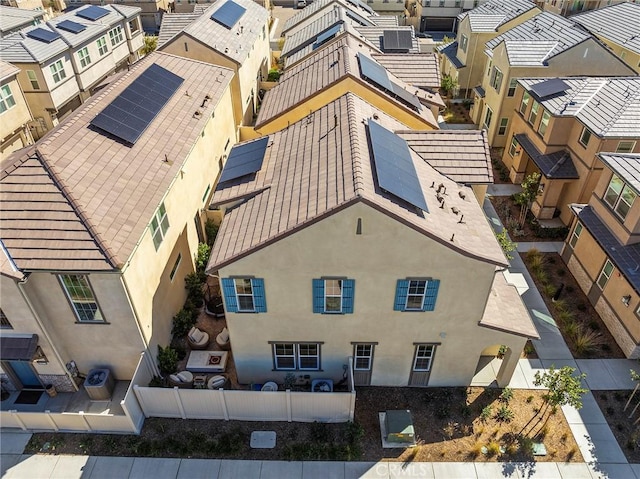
(394,167)
(549,88)
(129,115)
(92,13)
(326,36)
(358,4)
(43,35)
(228,14)
(397,40)
(374,72)
(244,159)
(72,27)
(407,97)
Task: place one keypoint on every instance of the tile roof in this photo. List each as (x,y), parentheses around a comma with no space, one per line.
(7,70)
(421,70)
(174,23)
(235,43)
(494,13)
(384,20)
(546,28)
(7,267)
(323,164)
(613,23)
(556,165)
(97,183)
(460,155)
(19,48)
(375,36)
(609,107)
(626,166)
(450,50)
(324,68)
(356,6)
(12,18)
(527,53)
(308,34)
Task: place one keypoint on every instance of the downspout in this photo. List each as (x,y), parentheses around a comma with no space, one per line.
(23,293)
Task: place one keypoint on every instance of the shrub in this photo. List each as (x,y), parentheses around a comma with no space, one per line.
(564,317)
(182,323)
(560,305)
(202,257)
(549,289)
(504,414)
(506,395)
(526,445)
(355,432)
(542,277)
(586,341)
(211,230)
(529,399)
(529,349)
(493,449)
(570,328)
(156,382)
(475,450)
(486,413)
(274,75)
(534,255)
(167,360)
(193,283)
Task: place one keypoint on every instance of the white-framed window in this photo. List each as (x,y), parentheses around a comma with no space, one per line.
(296,356)
(33,79)
(514,147)
(81,297)
(625,146)
(284,356)
(487,118)
(176,265)
(102,46)
(6,99)
(57,71)
(524,102)
(134,26)
(415,295)
(533,114)
(464,41)
(332,295)
(362,356)
(83,56)
(575,236)
(605,274)
(585,136)
(496,79)
(513,83)
(159,225)
(619,196)
(309,356)
(502,129)
(423,357)
(244,294)
(115,35)
(544,122)
(4,321)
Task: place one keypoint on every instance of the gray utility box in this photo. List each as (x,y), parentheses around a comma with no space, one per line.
(99,384)
(399,426)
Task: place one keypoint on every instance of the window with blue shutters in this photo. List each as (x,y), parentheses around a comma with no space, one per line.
(333,296)
(244,295)
(416,294)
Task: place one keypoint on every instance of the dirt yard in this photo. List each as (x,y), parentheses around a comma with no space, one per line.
(626,432)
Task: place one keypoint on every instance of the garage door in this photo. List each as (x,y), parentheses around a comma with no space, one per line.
(438,24)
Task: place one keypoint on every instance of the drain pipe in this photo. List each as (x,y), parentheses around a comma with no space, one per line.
(36,316)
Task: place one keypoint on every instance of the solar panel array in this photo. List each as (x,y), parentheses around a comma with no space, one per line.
(129,115)
(72,27)
(228,14)
(92,13)
(394,167)
(326,36)
(399,40)
(43,35)
(549,88)
(244,159)
(356,3)
(378,74)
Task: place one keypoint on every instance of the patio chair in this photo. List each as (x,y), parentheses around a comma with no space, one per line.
(222,340)
(198,339)
(184,379)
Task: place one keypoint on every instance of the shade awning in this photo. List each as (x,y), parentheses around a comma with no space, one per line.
(18,348)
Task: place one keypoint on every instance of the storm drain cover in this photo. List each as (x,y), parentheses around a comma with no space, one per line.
(263,439)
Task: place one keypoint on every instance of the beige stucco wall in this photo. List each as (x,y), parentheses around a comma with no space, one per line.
(13,131)
(376,259)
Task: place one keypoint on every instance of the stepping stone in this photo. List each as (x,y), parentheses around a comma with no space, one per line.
(539,449)
(263,439)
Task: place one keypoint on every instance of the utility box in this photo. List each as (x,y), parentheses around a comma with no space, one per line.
(399,426)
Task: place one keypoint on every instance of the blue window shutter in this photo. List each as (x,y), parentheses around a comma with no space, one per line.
(318,296)
(259,300)
(348,290)
(402,288)
(431,295)
(229,290)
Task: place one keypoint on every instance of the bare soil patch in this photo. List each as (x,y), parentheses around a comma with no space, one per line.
(626,432)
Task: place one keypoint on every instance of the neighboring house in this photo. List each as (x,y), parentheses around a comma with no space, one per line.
(151,11)
(464,59)
(27,5)
(419,70)
(443,15)
(602,249)
(571,7)
(560,126)
(545,46)
(98,228)
(63,61)
(613,26)
(333,70)
(13,19)
(14,112)
(233,34)
(319,8)
(313,258)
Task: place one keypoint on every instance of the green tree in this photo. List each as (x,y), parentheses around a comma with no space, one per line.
(506,244)
(448,84)
(528,194)
(150,44)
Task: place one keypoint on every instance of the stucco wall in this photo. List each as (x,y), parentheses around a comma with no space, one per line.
(13,119)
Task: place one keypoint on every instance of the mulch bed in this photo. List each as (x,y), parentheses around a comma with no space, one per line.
(627,434)
(508,212)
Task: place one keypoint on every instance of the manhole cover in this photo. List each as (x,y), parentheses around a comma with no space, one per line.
(263,439)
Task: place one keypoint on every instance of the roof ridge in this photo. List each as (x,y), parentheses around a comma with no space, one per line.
(354,137)
(588,100)
(630,97)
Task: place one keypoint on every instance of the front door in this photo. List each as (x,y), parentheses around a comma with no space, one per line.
(362,364)
(25,374)
(422,362)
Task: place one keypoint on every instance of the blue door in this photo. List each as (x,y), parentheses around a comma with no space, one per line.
(26,374)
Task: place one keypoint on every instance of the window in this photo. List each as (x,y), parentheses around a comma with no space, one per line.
(102,46)
(544,122)
(4,322)
(175,267)
(487,118)
(159,226)
(626,147)
(416,294)
(423,358)
(133,26)
(362,356)
(33,79)
(57,71)
(576,235)
(441,3)
(514,148)
(502,129)
(84,57)
(115,35)
(619,196)
(81,297)
(489,68)
(333,296)
(6,98)
(513,83)
(525,102)
(464,41)
(585,136)
(533,114)
(605,274)
(496,79)
(301,356)
(244,295)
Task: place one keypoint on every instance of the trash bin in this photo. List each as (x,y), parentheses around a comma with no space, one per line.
(51,390)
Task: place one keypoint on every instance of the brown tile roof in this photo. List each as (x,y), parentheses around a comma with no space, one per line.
(7,267)
(7,70)
(114,188)
(322,164)
(421,70)
(325,68)
(462,155)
